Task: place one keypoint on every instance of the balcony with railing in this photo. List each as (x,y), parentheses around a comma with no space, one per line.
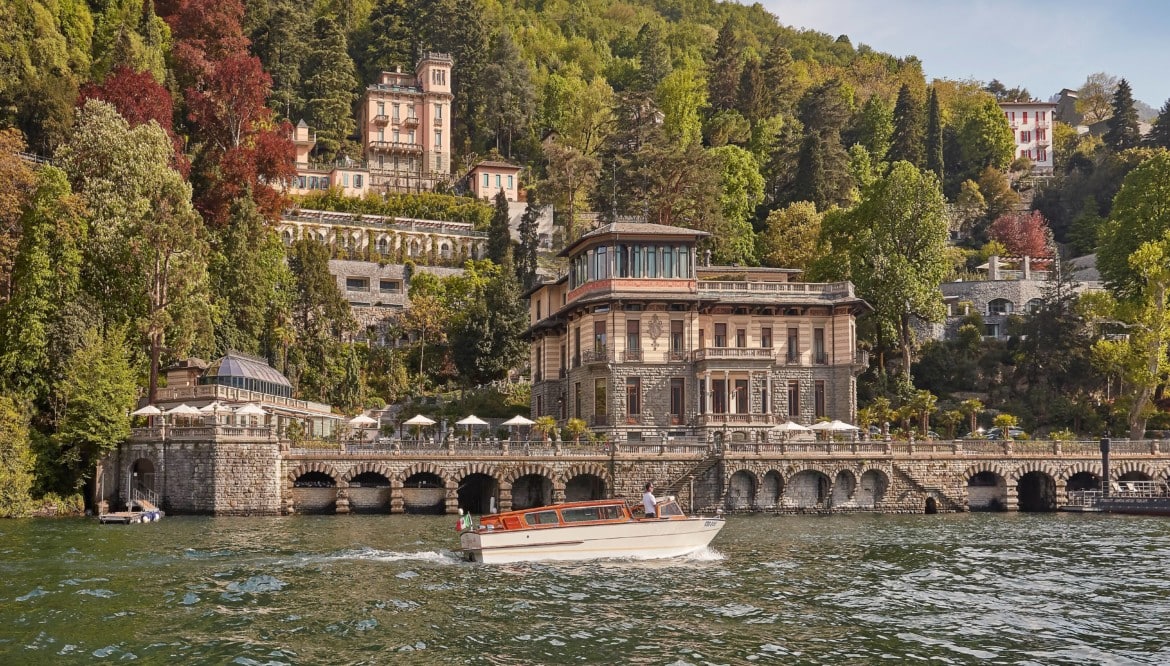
(804,290)
(381,120)
(677,355)
(736,419)
(632,355)
(820,358)
(597,355)
(733,353)
(410,121)
(395,147)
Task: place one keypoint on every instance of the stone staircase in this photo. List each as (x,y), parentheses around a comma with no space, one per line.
(948,500)
(681,487)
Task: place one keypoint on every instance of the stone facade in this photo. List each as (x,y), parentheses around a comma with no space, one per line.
(259,476)
(640,341)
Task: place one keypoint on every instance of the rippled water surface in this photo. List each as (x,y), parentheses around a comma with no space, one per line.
(1020,589)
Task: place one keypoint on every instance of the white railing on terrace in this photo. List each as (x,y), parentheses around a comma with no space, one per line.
(220,392)
(200,433)
(734,353)
(802,288)
(381,221)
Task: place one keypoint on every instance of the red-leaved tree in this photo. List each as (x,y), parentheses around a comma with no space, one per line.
(1023,234)
(138,98)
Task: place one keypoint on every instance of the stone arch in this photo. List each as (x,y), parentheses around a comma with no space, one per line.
(807,488)
(1036,488)
(771,489)
(477,468)
(871,488)
(424,468)
(383,245)
(741,489)
(286,237)
(1000,306)
(1133,468)
(986,487)
(316,466)
(1081,475)
(844,487)
(362,468)
(445,250)
(584,481)
(1034,467)
(414,248)
(529,470)
(142,474)
(479,488)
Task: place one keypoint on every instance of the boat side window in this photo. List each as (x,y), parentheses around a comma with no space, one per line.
(580,515)
(541,518)
(609,512)
(667,509)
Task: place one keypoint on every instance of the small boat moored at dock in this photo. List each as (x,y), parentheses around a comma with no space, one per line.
(1149,498)
(584,531)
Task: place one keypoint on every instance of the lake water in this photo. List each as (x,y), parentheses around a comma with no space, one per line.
(974,588)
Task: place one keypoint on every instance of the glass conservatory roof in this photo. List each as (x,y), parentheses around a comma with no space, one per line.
(237,365)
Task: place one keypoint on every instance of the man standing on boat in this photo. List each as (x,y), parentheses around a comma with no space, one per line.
(649,503)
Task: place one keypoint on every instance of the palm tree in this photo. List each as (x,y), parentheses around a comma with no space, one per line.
(546,426)
(575,428)
(972,408)
(924,403)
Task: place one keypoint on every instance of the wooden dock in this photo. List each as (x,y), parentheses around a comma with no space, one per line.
(140,511)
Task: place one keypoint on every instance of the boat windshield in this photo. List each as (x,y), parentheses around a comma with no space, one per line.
(541,518)
(669,508)
(588,513)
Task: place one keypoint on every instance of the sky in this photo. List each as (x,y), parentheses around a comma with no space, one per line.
(1041,45)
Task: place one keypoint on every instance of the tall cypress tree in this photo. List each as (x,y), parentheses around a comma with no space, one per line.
(908,142)
(726,67)
(934,136)
(281,43)
(499,244)
(779,80)
(752,102)
(1159,136)
(330,83)
(529,240)
(1123,132)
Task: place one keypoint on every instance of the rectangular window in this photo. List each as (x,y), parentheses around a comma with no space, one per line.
(345,180)
(487,180)
(497,180)
(702,334)
(741,396)
(397,137)
(821,357)
(396,116)
(633,335)
(381,108)
(793,345)
(389,286)
(510,186)
(633,396)
(577,347)
(794,398)
(357,284)
(301,182)
(438,111)
(1025,136)
(538,371)
(720,335)
(676,335)
(1041,134)
(381,134)
(677,400)
(1042,155)
(577,400)
(718,396)
(540,405)
(1025,117)
(599,399)
(410,111)
(819,398)
(599,336)
(357,180)
(766,337)
(562,367)
(438,139)
(1041,116)
(410,137)
(740,337)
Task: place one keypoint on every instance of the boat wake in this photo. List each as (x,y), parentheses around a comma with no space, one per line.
(377,555)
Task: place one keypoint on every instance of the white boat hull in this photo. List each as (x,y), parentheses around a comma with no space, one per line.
(637,539)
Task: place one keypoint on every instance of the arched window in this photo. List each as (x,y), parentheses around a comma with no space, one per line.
(445,250)
(383,245)
(287,237)
(1034,305)
(414,248)
(1000,306)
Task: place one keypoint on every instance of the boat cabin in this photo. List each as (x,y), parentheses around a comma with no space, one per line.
(574,513)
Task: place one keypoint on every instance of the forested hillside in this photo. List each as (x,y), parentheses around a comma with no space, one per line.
(149,237)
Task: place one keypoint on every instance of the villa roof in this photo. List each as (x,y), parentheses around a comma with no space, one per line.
(633,229)
(235,364)
(497,164)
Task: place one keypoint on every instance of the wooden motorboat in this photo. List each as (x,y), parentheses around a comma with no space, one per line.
(585,531)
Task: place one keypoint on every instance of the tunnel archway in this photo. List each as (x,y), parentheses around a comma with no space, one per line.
(314,493)
(479,494)
(425,493)
(843,487)
(771,489)
(531,490)
(142,476)
(741,490)
(369,492)
(584,487)
(314,480)
(1135,476)
(986,491)
(807,489)
(1036,492)
(931,506)
(1083,481)
(872,488)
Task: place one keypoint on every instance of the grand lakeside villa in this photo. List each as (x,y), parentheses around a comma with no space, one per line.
(638,340)
(682,371)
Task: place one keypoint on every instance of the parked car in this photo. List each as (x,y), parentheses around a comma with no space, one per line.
(1013,431)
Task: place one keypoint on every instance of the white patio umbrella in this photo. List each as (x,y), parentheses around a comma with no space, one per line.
(216,407)
(183,410)
(821,425)
(518,420)
(792,426)
(839,426)
(251,409)
(149,410)
(419,420)
(471,422)
(361,421)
